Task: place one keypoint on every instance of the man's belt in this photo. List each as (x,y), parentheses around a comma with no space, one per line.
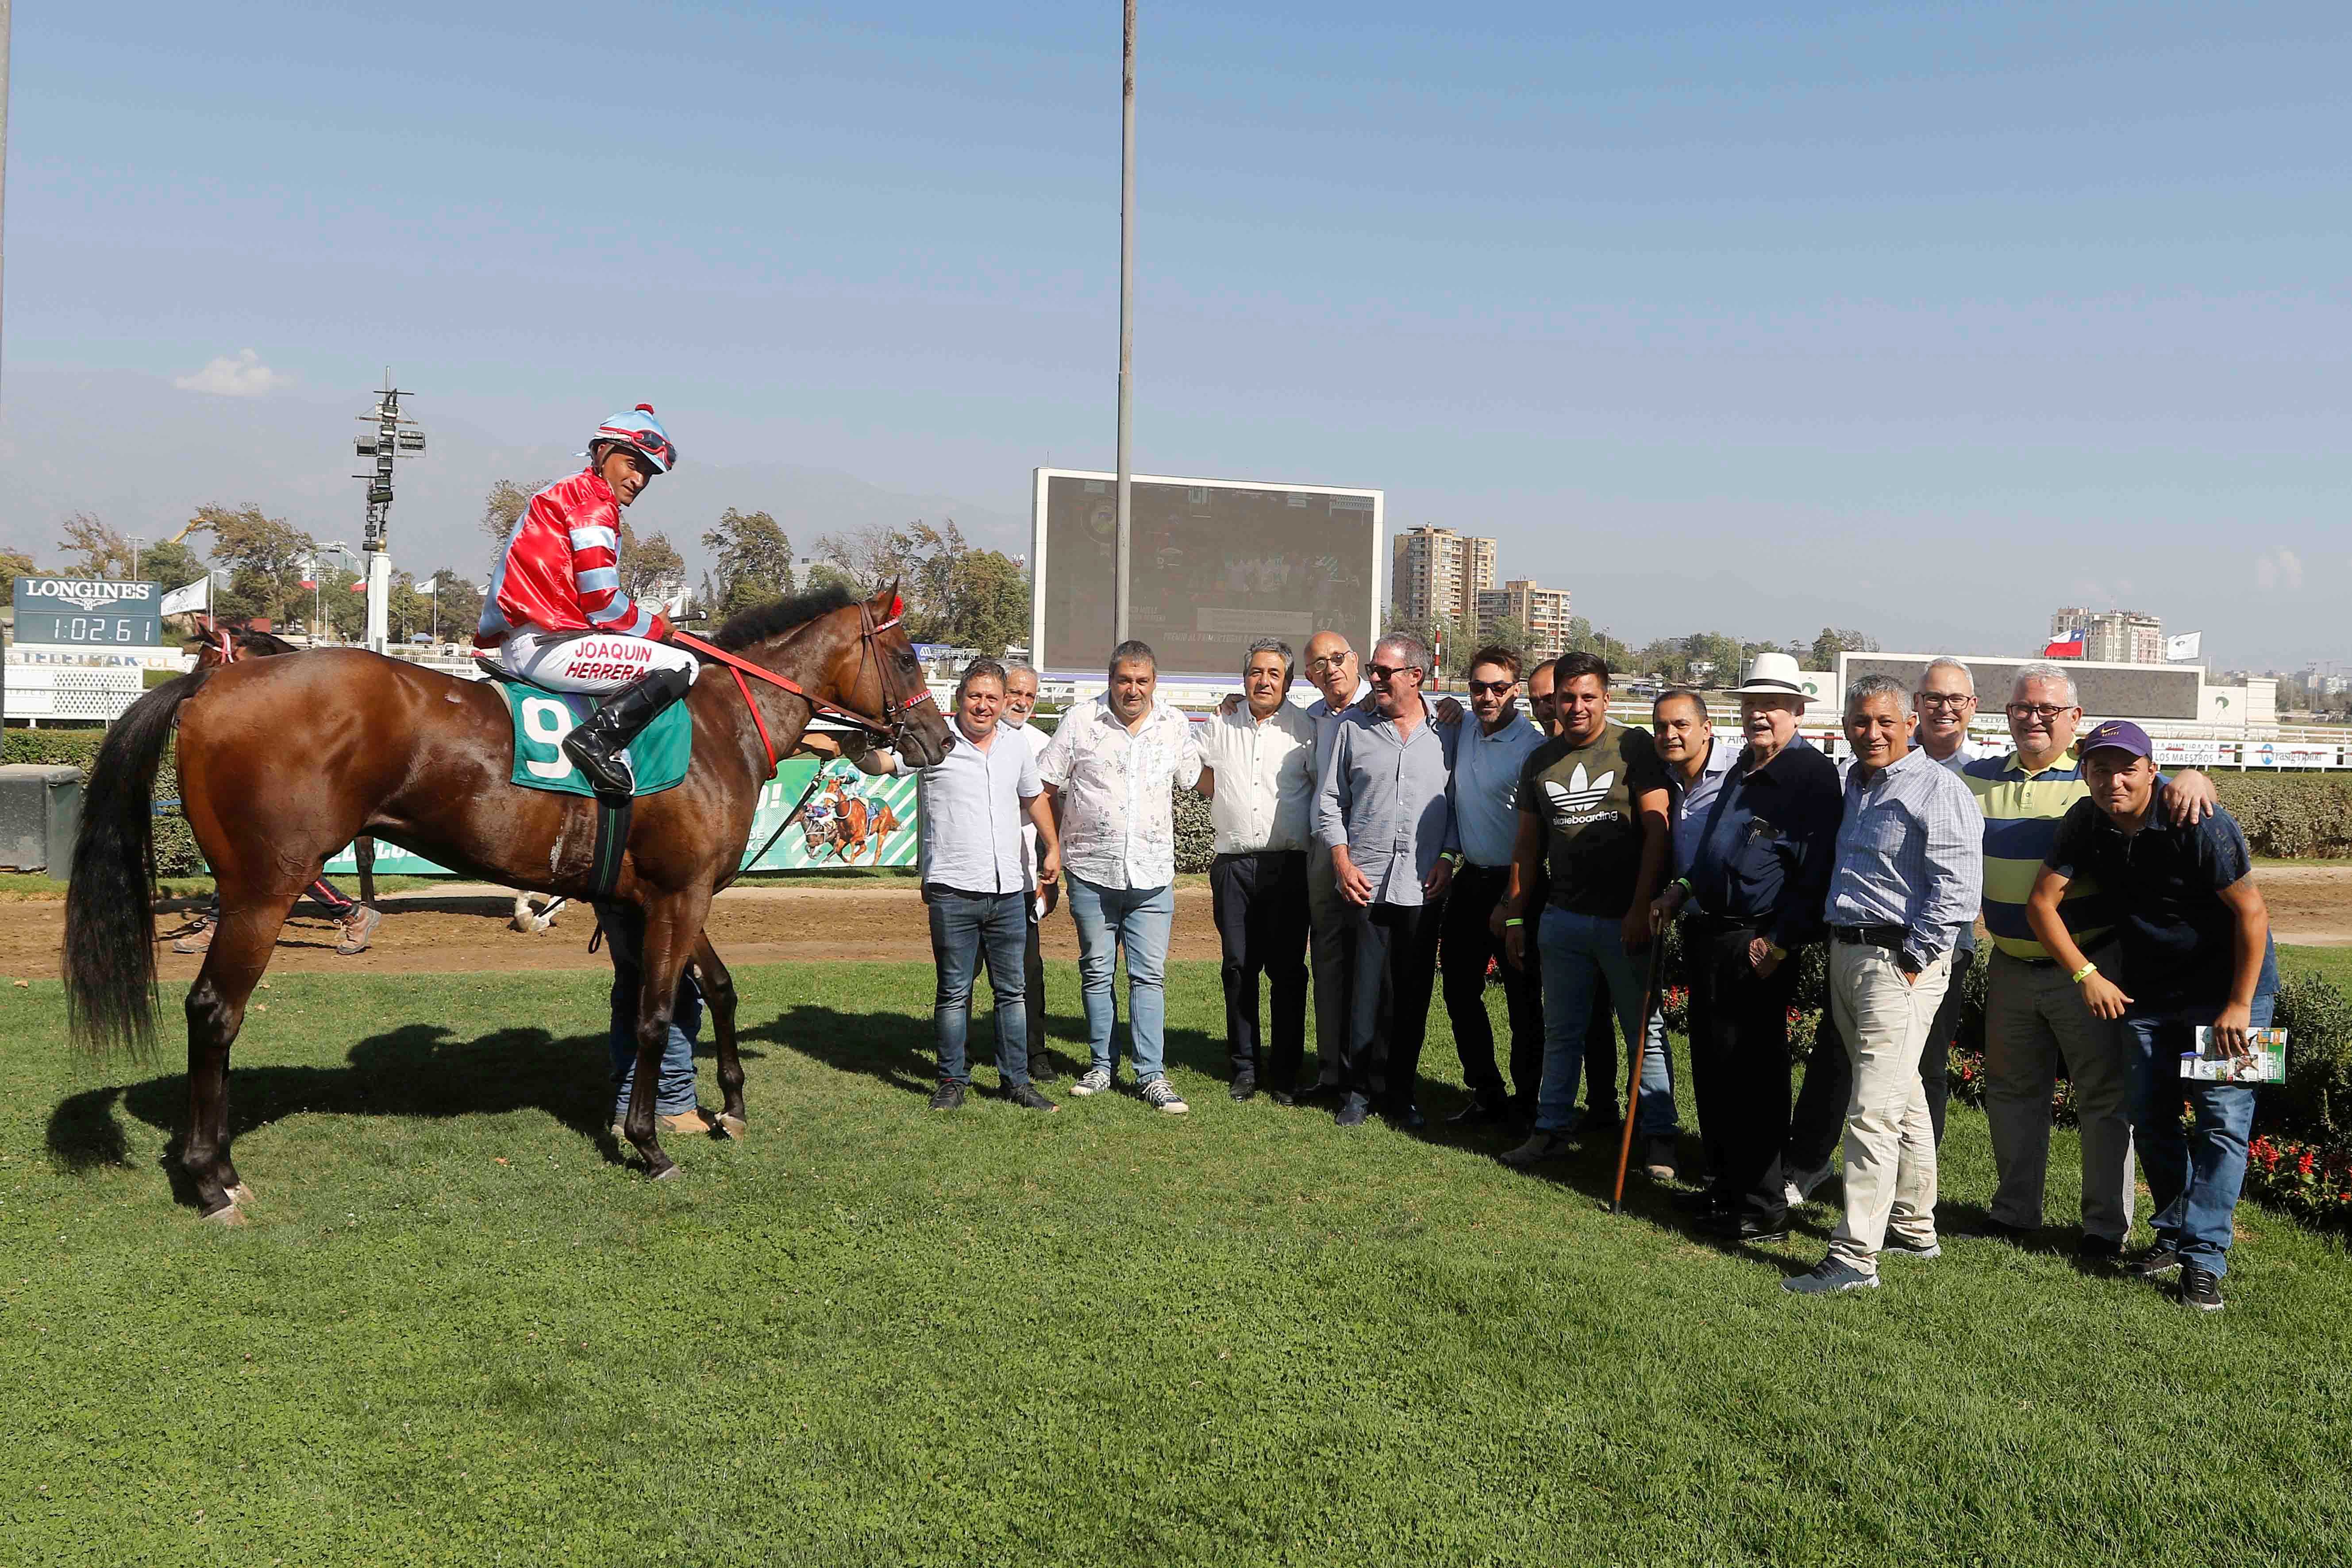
(1891,937)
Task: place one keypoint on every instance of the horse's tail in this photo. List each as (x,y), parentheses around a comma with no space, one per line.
(109,952)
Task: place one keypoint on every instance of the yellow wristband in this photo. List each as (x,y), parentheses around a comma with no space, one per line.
(1514,921)
(1778,952)
(2083,973)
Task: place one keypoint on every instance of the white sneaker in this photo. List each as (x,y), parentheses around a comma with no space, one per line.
(1161,1095)
(1093,1080)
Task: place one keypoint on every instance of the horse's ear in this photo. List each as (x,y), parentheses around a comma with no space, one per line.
(897,605)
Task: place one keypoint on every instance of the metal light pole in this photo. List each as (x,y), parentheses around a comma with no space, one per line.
(1124,580)
(393,436)
(4,28)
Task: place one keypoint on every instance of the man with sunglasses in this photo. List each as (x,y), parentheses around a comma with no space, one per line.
(556,615)
(1384,818)
(1334,669)
(2035,1016)
(1487,759)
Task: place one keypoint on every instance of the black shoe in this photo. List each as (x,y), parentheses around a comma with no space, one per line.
(1244,1086)
(2200,1287)
(1283,1095)
(2161,1261)
(1023,1094)
(2002,1230)
(1477,1113)
(1041,1066)
(1332,1094)
(1404,1113)
(1354,1112)
(1745,1230)
(2099,1249)
(595,746)
(948,1096)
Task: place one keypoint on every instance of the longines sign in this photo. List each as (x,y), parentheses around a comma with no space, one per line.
(86,611)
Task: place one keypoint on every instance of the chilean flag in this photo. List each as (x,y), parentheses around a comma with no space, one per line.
(2067,647)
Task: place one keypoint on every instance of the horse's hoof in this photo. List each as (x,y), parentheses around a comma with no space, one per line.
(227,1214)
(240,1193)
(730,1126)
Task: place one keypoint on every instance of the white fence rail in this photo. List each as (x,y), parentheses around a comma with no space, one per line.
(37,691)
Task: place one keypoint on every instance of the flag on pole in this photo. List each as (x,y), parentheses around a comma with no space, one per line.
(2069,646)
(197,595)
(311,572)
(2187,644)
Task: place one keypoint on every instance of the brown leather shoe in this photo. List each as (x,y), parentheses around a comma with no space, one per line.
(358,926)
(199,937)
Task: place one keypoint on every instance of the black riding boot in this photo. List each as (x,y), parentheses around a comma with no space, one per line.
(595,746)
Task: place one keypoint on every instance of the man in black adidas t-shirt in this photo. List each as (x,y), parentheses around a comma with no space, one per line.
(1592,807)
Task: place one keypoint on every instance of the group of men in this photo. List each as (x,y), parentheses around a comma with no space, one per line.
(1396,837)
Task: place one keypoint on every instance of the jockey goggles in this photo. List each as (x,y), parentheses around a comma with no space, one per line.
(641,433)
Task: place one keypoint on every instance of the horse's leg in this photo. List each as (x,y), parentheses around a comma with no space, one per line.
(673,926)
(364,851)
(719,993)
(215,1006)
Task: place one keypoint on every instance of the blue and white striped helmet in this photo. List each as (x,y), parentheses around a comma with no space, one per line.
(641,433)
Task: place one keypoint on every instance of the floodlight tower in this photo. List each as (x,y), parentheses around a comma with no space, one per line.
(392,437)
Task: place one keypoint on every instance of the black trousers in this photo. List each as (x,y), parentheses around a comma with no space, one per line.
(1600,1059)
(1819,1123)
(1468,947)
(1395,968)
(1739,1064)
(1260,904)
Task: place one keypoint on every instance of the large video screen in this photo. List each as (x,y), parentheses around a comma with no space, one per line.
(1217,564)
(2107,690)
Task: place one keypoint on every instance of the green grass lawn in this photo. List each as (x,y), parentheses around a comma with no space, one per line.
(458,1331)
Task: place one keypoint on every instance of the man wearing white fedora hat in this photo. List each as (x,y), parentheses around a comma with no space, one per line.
(1754,868)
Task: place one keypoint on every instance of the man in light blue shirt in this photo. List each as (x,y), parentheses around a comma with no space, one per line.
(1487,759)
(1384,817)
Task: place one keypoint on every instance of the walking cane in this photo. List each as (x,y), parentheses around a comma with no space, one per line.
(1633,1090)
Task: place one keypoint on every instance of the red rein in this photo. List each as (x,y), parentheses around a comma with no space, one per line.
(740,668)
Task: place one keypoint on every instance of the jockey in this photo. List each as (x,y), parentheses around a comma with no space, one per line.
(556,616)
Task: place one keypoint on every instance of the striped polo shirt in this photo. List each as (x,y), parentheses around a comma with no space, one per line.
(2021,812)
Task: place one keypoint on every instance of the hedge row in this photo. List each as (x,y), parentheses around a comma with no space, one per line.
(2290,815)
(175,845)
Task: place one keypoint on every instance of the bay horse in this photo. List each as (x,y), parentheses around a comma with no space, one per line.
(423,760)
(864,819)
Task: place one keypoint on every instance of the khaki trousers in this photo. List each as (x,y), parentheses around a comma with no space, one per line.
(1890,1141)
(2035,1019)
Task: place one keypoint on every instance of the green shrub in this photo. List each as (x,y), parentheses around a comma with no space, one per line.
(2290,815)
(2316,1101)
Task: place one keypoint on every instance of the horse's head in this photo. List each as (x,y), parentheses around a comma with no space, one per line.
(877,674)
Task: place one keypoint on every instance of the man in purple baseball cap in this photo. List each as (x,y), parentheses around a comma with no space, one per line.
(2195,937)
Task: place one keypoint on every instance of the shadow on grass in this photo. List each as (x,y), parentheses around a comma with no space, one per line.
(417,1070)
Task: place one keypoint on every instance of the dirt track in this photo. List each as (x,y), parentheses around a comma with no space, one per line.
(466,930)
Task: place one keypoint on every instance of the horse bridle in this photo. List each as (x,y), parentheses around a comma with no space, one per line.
(898,716)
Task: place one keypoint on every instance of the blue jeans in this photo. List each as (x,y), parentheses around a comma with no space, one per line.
(1138,919)
(961,923)
(2193,1177)
(1581,951)
(624,928)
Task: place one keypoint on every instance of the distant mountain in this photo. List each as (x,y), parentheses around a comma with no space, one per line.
(141,454)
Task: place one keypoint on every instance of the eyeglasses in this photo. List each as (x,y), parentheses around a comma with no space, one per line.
(2045,711)
(1945,699)
(1384,672)
(1491,687)
(1331,660)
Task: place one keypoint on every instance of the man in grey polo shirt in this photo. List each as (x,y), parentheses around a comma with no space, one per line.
(976,879)
(1384,816)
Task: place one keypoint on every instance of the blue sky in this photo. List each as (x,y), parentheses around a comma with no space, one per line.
(1716,315)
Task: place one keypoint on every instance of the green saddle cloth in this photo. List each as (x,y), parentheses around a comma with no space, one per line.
(541,719)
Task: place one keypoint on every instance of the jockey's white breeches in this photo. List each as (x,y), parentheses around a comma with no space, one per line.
(594,662)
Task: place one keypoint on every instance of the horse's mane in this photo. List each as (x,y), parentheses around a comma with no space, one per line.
(773,619)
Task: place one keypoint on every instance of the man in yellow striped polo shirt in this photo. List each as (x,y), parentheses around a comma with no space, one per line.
(2035,1018)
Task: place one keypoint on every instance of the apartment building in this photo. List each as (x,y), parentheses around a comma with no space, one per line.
(1436,574)
(1544,611)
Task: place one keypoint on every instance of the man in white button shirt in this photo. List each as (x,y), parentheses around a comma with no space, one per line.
(1257,767)
(976,879)
(1110,773)
(1486,764)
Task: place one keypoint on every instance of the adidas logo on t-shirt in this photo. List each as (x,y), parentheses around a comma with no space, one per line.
(1575,801)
